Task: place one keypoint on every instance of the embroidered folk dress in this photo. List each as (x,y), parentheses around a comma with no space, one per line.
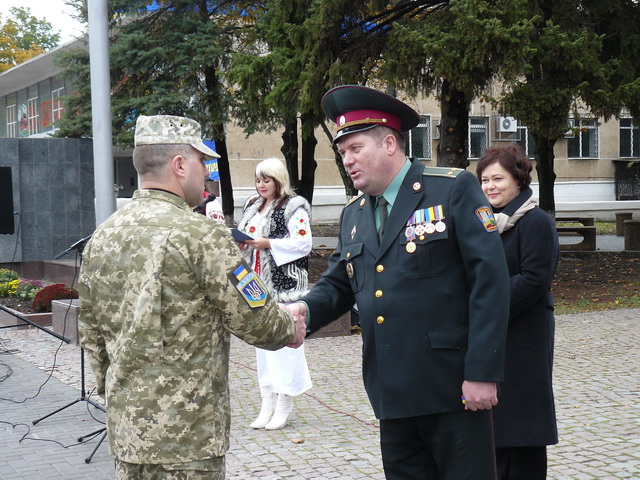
(285,370)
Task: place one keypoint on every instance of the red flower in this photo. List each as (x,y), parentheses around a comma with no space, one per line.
(302,232)
(252,229)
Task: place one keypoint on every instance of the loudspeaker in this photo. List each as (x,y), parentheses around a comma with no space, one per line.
(7,226)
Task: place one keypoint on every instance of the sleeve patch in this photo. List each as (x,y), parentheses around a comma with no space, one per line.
(250,286)
(485,215)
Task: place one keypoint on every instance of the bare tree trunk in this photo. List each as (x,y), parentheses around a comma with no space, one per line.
(309,164)
(290,150)
(546,176)
(219,136)
(349,189)
(454,128)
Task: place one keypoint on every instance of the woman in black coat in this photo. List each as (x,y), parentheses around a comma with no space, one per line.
(524,419)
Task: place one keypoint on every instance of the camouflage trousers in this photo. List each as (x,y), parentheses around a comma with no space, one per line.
(213,469)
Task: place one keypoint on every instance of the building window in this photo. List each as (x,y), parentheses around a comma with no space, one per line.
(32,112)
(478,136)
(12,121)
(57,108)
(418,139)
(583,143)
(526,141)
(629,139)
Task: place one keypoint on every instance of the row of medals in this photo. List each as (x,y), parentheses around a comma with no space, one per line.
(413,231)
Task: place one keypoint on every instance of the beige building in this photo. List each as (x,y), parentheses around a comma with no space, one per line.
(592,161)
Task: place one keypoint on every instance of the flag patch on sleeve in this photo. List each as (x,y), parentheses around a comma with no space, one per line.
(250,286)
(485,215)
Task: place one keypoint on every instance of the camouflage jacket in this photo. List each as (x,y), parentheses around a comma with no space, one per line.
(160,295)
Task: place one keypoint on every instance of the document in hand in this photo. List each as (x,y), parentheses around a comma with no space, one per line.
(239,236)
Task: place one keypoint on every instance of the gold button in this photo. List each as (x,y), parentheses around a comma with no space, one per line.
(378,293)
(380,320)
(380,268)
(348,254)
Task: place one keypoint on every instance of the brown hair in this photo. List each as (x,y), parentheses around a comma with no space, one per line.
(512,158)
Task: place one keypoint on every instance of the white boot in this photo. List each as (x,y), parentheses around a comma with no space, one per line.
(281,415)
(268,406)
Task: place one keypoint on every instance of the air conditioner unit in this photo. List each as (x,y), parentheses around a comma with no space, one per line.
(435,129)
(507,125)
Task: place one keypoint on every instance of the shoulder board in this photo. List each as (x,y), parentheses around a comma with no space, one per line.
(442,172)
(353,199)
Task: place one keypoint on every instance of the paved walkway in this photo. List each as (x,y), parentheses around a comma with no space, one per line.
(333,433)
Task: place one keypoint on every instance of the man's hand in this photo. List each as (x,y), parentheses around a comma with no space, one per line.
(479,395)
(299,313)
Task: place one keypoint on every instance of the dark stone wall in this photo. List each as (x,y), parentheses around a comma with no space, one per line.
(53,193)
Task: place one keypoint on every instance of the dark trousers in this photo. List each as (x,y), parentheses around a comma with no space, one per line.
(522,463)
(443,446)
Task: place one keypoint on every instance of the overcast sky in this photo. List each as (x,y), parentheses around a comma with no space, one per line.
(55,12)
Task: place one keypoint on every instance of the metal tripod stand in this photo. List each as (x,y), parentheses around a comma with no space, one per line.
(79,246)
(83,398)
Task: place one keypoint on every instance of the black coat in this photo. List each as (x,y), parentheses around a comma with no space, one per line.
(430,318)
(525,415)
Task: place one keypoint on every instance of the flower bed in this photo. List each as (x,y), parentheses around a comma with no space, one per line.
(29,298)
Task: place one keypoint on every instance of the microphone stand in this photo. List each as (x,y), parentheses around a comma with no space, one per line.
(79,246)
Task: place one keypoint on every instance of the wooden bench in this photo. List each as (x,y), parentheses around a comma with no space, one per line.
(584,227)
(586,221)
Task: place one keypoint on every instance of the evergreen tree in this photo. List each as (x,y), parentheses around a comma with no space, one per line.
(166,57)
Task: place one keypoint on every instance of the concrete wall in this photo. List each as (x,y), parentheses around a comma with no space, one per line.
(52,193)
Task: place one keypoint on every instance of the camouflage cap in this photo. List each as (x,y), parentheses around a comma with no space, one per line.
(169,129)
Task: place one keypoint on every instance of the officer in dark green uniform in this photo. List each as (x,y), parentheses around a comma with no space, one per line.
(432,291)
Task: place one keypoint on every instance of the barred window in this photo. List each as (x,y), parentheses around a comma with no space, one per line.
(584,143)
(629,139)
(12,121)
(57,107)
(478,136)
(418,139)
(526,141)
(32,115)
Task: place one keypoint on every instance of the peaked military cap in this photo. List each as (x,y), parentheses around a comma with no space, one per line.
(163,129)
(355,108)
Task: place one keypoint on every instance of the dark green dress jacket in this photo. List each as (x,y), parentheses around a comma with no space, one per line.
(432,314)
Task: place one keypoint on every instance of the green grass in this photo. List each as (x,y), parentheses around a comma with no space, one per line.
(605,228)
(628,300)
(602,228)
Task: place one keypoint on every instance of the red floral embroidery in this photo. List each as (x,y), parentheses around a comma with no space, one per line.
(252,229)
(302,232)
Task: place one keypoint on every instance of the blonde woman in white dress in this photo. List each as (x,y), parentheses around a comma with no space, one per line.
(279,223)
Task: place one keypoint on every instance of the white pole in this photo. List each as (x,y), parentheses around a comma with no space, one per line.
(101,110)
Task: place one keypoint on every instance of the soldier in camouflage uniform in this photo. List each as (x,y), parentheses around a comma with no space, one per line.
(161,290)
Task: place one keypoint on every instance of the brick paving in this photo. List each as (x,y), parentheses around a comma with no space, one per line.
(333,433)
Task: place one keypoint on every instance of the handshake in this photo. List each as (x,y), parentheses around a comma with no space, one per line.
(298,311)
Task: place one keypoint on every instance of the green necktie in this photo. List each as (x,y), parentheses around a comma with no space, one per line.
(382,212)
